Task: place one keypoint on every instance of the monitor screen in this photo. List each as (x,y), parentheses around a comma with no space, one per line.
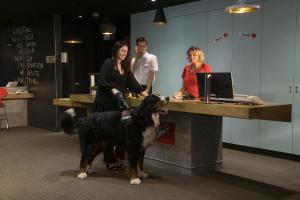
(215,84)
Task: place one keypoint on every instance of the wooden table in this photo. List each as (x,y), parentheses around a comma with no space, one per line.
(15,96)
(198,130)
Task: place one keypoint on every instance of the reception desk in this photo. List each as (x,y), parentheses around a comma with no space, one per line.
(198,130)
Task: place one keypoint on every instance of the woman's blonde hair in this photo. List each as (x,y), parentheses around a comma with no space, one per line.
(199,52)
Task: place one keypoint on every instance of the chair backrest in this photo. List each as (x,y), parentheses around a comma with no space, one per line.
(3,93)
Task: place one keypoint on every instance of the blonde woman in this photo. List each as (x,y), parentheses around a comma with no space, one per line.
(196,64)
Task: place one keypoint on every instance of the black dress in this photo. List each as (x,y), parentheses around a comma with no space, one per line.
(109,77)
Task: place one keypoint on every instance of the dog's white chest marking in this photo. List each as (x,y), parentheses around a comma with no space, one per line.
(155,118)
(150,132)
(149,135)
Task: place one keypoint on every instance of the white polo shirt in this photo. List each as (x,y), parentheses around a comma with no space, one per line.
(144,64)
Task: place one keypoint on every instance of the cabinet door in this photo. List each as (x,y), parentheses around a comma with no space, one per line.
(246,72)
(156,45)
(174,56)
(278,47)
(219,52)
(196,31)
(296,105)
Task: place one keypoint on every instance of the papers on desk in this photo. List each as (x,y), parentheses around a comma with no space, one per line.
(243,99)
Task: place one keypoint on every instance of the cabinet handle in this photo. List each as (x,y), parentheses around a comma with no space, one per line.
(223,36)
(248,35)
(290,89)
(296,89)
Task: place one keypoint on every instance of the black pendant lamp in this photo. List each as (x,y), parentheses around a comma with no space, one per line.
(107,27)
(73,37)
(160,17)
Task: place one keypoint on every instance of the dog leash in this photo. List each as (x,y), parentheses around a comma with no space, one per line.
(125,115)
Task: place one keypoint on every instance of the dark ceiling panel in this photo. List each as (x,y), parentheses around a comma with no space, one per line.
(25,10)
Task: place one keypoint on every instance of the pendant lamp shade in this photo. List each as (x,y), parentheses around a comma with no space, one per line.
(73,40)
(107,27)
(242,7)
(160,18)
(72,37)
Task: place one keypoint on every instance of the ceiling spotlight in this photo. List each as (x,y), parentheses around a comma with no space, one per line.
(153,0)
(242,7)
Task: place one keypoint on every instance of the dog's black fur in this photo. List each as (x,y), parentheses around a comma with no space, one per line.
(107,128)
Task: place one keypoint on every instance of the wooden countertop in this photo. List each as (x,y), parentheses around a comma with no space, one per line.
(15,96)
(268,111)
(68,103)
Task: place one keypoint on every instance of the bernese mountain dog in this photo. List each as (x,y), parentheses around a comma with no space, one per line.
(133,132)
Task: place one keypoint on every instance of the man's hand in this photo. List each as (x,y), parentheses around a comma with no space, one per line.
(115,91)
(144,93)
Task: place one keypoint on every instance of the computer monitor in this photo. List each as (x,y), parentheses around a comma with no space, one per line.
(215,84)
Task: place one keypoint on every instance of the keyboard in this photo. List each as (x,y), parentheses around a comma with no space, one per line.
(253,100)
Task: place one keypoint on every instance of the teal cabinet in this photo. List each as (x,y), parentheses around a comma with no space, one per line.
(267,65)
(196,31)
(296,89)
(277,64)
(219,52)
(156,45)
(169,77)
(246,72)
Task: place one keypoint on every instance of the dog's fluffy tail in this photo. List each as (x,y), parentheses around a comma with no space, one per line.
(68,121)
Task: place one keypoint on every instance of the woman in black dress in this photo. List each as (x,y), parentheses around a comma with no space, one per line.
(114,77)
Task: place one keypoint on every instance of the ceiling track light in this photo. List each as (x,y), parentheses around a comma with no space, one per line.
(160,17)
(242,7)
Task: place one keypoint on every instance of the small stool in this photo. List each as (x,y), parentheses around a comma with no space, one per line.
(3,113)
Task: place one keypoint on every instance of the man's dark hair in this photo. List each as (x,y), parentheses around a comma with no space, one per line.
(141,39)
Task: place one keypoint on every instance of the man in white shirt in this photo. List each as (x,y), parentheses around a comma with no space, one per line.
(144,65)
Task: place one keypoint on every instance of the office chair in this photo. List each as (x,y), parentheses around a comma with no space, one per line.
(3,115)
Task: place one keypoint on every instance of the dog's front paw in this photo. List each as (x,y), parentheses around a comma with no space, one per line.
(135,181)
(82,175)
(143,175)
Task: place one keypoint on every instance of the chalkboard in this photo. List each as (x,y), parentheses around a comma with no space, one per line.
(29,66)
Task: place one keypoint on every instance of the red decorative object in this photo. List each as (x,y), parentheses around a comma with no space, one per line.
(167,136)
(224,35)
